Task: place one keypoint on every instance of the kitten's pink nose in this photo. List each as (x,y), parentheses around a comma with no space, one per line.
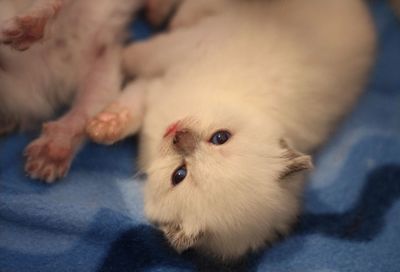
(171,129)
(184,141)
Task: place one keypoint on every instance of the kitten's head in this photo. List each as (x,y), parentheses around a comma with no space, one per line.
(223,183)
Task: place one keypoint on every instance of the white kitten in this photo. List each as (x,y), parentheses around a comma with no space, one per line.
(77,59)
(227,105)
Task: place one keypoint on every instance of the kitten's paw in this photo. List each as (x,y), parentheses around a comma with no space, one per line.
(110,125)
(49,157)
(20,32)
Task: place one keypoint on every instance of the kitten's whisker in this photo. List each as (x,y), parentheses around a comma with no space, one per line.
(137,174)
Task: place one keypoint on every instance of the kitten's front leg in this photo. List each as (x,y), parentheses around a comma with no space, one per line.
(21,31)
(121,118)
(49,157)
(151,58)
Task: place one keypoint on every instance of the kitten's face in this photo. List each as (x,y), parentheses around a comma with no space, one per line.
(218,183)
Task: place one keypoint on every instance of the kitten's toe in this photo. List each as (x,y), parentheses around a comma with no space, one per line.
(24,30)
(47,162)
(49,157)
(109,126)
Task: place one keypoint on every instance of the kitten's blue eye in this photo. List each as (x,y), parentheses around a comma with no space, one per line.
(179,175)
(220,137)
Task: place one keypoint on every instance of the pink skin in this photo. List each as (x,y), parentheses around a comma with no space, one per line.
(171,129)
(145,59)
(23,30)
(110,125)
(121,118)
(49,157)
(96,79)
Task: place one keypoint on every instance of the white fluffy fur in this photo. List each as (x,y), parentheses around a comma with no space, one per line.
(264,70)
(35,83)
(76,63)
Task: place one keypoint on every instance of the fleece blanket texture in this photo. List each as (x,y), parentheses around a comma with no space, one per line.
(93,219)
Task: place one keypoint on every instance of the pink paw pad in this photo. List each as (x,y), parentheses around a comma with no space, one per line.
(47,161)
(49,157)
(22,31)
(108,126)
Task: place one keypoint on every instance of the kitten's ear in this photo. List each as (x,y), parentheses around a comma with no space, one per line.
(295,160)
(178,239)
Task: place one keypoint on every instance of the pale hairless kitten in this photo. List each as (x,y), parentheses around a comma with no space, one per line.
(228,102)
(56,54)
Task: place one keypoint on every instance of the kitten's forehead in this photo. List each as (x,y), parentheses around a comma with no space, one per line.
(204,119)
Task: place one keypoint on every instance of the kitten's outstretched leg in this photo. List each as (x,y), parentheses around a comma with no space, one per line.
(138,61)
(120,119)
(49,157)
(21,31)
(150,58)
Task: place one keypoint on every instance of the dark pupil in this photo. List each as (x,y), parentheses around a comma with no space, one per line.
(220,137)
(179,175)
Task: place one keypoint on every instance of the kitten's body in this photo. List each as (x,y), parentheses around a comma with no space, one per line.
(269,72)
(75,58)
(277,60)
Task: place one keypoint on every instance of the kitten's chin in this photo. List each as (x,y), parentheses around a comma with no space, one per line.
(231,249)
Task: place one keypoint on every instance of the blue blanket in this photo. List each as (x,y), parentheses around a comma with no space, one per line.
(93,220)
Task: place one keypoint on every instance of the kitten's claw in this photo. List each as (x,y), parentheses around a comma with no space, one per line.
(20,32)
(49,157)
(47,161)
(109,126)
